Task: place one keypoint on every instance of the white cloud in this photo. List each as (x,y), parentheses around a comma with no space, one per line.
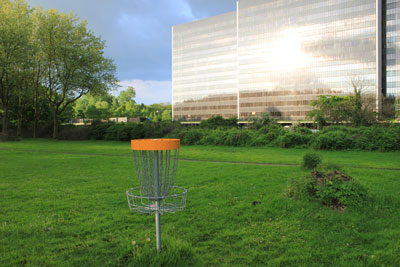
(149,92)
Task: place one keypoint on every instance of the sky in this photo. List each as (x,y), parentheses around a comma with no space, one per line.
(138,36)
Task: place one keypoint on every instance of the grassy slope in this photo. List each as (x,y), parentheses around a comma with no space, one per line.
(70,209)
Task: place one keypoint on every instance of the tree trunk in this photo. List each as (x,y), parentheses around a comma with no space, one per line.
(19,116)
(55,124)
(5,121)
(36,114)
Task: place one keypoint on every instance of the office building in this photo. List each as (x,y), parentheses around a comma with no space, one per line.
(277,56)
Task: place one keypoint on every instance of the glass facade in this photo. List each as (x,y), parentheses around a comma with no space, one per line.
(277,56)
(393,47)
(204,68)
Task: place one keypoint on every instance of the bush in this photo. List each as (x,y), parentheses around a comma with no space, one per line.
(378,138)
(336,189)
(333,140)
(332,188)
(116,132)
(191,137)
(215,137)
(293,139)
(311,161)
(71,132)
(218,121)
(257,123)
(237,138)
(303,131)
(98,130)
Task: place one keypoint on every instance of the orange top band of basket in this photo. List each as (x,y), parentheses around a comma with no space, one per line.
(155,144)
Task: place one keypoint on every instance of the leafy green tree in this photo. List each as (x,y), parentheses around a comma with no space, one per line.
(334,109)
(166,115)
(264,120)
(15,32)
(73,61)
(125,106)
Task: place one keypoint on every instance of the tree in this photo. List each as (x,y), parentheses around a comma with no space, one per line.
(355,109)
(73,61)
(125,105)
(15,31)
(328,108)
(166,115)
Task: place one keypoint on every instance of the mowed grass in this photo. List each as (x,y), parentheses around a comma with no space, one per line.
(64,204)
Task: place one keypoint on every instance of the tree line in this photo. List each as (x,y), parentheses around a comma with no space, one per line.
(104,106)
(48,60)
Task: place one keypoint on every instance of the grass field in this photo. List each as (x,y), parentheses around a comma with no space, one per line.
(64,204)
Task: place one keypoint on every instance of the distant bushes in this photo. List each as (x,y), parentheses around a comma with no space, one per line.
(225,132)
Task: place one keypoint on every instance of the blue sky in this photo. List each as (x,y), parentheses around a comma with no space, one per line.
(138,36)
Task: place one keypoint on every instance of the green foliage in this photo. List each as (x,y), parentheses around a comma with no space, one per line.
(330,108)
(336,189)
(332,188)
(311,161)
(218,121)
(258,122)
(355,109)
(294,139)
(98,130)
(71,132)
(15,57)
(236,137)
(378,138)
(192,137)
(72,59)
(303,131)
(333,140)
(216,137)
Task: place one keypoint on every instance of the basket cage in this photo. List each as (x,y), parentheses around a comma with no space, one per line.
(156,170)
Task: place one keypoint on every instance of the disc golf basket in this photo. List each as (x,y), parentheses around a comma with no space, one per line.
(156,161)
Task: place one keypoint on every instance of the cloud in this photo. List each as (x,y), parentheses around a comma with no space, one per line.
(149,92)
(138,32)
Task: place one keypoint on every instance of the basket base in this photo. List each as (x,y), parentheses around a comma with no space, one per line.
(175,201)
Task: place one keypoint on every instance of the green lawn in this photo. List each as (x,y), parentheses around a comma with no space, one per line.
(63,204)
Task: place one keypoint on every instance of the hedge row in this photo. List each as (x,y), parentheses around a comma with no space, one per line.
(331,138)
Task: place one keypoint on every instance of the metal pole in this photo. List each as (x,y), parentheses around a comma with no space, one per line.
(158,228)
(157,190)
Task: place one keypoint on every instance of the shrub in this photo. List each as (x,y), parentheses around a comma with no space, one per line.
(214,137)
(98,130)
(332,188)
(302,130)
(378,138)
(259,122)
(293,139)
(135,130)
(237,138)
(218,121)
(71,132)
(311,160)
(116,132)
(336,189)
(259,140)
(333,140)
(191,137)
